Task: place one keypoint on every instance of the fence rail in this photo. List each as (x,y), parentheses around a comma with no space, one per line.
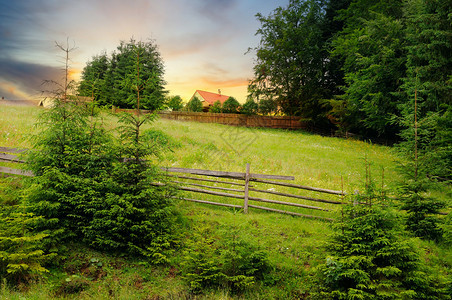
(245,183)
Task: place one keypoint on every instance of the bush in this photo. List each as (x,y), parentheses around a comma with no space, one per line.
(175,103)
(250,108)
(21,248)
(216,108)
(233,264)
(231,106)
(267,107)
(194,105)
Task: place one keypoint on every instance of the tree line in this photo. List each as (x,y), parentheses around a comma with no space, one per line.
(356,63)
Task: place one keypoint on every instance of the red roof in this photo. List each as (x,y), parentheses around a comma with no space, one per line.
(211,98)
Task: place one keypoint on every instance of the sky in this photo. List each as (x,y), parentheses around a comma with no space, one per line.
(202,42)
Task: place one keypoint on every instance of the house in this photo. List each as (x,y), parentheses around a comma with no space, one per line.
(208,98)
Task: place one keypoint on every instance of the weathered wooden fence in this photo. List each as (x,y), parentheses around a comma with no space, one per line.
(234,189)
(10,155)
(247,186)
(282,122)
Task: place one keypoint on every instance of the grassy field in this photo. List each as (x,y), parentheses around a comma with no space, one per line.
(295,245)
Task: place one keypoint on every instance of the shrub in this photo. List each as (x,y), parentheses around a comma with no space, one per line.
(250,107)
(194,105)
(267,107)
(216,108)
(21,248)
(231,106)
(233,264)
(175,103)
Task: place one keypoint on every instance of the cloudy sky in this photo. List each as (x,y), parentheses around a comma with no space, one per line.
(202,42)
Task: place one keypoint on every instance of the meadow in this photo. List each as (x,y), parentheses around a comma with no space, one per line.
(295,245)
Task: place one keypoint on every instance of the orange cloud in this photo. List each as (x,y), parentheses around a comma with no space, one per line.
(14,90)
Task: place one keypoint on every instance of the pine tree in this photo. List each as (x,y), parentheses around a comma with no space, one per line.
(370,259)
(22,256)
(136,214)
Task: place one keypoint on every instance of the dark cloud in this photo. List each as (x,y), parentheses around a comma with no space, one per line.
(20,20)
(22,79)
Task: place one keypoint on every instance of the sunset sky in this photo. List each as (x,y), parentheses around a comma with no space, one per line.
(202,42)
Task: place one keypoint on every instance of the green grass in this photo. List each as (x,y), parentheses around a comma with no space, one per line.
(294,245)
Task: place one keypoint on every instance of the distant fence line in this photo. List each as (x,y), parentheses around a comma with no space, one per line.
(281,122)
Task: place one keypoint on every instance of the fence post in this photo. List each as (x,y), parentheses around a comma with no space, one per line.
(247,183)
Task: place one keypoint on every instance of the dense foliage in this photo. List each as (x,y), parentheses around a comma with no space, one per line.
(370,260)
(22,256)
(231,106)
(216,108)
(174,103)
(289,67)
(194,105)
(109,79)
(355,64)
(233,264)
(250,107)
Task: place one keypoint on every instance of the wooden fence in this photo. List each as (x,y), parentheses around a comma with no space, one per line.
(247,187)
(282,122)
(234,189)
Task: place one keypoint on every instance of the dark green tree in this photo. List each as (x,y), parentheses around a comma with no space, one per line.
(290,65)
(194,105)
(372,49)
(231,106)
(426,114)
(72,154)
(370,260)
(115,85)
(429,61)
(331,26)
(92,83)
(136,214)
(250,108)
(175,103)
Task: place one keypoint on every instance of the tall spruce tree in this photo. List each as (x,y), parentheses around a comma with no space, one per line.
(426,114)
(71,155)
(114,84)
(372,48)
(429,65)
